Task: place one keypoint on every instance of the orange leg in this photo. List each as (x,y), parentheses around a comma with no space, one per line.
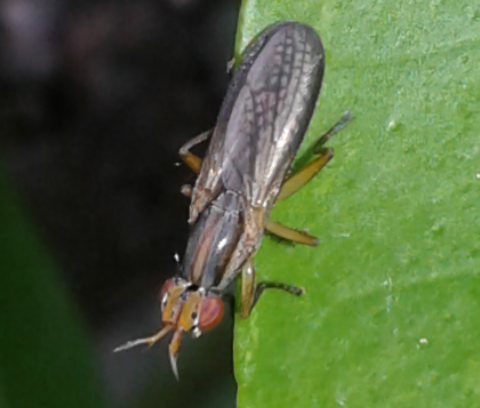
(303,176)
(290,234)
(251,292)
(192,161)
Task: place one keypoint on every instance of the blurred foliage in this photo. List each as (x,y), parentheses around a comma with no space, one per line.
(93,106)
(393,290)
(43,353)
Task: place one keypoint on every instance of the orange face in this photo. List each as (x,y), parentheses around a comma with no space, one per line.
(187,309)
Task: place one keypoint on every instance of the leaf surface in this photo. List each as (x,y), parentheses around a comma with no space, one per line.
(390,318)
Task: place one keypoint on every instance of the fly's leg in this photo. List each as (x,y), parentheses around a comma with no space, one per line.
(303,176)
(251,293)
(191,160)
(291,234)
(248,288)
(260,288)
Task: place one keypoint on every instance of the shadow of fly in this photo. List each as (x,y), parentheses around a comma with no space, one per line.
(265,114)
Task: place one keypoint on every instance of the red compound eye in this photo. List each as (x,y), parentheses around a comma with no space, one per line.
(211,313)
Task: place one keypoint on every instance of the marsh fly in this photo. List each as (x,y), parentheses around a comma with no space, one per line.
(262,122)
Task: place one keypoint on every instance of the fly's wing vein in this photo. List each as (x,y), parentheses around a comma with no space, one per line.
(264,118)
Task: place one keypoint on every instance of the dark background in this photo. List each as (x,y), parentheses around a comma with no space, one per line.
(96,97)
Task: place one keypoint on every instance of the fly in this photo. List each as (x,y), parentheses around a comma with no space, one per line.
(266,112)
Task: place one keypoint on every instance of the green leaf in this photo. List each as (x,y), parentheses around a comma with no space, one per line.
(43,353)
(390,318)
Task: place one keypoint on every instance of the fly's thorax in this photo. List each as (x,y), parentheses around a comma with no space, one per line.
(213,239)
(188,308)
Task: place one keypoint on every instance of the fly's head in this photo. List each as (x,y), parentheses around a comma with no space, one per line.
(185,308)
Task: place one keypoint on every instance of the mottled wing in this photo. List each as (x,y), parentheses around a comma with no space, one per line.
(264,116)
(272,112)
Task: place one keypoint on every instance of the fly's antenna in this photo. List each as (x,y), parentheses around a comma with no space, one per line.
(149,341)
